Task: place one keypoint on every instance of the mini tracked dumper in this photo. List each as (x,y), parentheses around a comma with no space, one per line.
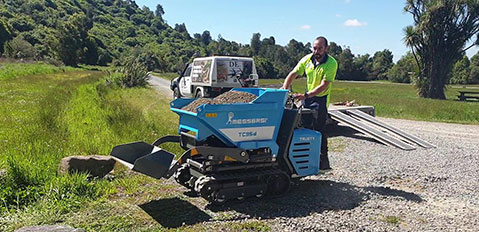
(232,151)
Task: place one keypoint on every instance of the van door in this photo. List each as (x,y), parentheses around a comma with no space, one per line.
(185,82)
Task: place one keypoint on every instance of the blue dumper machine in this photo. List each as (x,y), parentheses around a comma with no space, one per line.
(232,151)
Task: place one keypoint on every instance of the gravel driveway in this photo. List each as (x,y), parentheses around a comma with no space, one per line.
(374,187)
(379,188)
(161,85)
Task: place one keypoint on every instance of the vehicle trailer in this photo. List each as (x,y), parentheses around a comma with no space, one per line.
(232,151)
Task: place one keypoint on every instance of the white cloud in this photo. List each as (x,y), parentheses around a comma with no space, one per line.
(306,27)
(354,23)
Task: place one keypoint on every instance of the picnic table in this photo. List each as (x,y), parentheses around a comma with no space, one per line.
(464,95)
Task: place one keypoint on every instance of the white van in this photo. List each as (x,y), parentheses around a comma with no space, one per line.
(211,76)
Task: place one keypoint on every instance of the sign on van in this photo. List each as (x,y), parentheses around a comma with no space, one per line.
(222,71)
(201,70)
(233,69)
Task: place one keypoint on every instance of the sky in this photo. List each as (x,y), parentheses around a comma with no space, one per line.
(365,26)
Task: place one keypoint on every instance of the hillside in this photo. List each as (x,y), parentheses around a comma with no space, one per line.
(105,32)
(100,32)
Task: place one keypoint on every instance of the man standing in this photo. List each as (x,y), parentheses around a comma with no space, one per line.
(320,69)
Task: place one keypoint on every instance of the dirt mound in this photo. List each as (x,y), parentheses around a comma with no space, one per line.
(225,98)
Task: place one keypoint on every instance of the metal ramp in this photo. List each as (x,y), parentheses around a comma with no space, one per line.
(378,130)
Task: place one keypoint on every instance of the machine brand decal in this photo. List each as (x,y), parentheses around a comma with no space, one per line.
(232,120)
(249,133)
(306,138)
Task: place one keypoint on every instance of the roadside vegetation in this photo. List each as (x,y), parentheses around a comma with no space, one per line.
(9,70)
(168,76)
(46,117)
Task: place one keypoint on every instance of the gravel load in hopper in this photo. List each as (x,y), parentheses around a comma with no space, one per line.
(225,98)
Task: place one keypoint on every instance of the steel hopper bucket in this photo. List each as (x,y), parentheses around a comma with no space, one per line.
(144,158)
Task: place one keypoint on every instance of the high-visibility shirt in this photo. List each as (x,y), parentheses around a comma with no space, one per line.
(325,70)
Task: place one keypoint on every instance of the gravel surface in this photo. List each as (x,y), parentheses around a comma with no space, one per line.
(161,85)
(374,187)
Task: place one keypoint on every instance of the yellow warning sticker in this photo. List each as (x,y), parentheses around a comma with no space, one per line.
(211,115)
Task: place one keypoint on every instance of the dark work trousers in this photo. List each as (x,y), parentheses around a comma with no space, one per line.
(318,104)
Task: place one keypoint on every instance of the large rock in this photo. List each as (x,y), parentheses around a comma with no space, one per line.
(52,228)
(96,166)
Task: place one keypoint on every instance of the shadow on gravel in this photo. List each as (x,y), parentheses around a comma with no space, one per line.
(312,196)
(339,130)
(386,191)
(174,212)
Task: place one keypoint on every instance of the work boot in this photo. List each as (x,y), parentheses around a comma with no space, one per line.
(324,163)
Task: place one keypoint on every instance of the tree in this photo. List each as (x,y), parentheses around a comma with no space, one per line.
(437,39)
(206,38)
(255,43)
(405,69)
(159,12)
(73,39)
(334,50)
(461,71)
(382,62)
(5,34)
(265,68)
(362,67)
(268,41)
(346,66)
(474,65)
(180,28)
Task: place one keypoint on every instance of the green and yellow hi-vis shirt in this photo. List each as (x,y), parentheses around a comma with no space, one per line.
(325,70)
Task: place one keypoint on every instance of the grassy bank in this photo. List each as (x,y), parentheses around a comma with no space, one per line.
(47,117)
(9,70)
(400,101)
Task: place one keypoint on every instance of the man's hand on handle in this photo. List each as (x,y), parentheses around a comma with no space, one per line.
(299,96)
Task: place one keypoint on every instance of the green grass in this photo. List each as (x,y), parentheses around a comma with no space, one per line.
(50,116)
(250,226)
(168,76)
(47,117)
(13,70)
(392,220)
(400,101)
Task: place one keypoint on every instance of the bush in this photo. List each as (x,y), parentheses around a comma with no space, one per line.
(132,73)
(18,48)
